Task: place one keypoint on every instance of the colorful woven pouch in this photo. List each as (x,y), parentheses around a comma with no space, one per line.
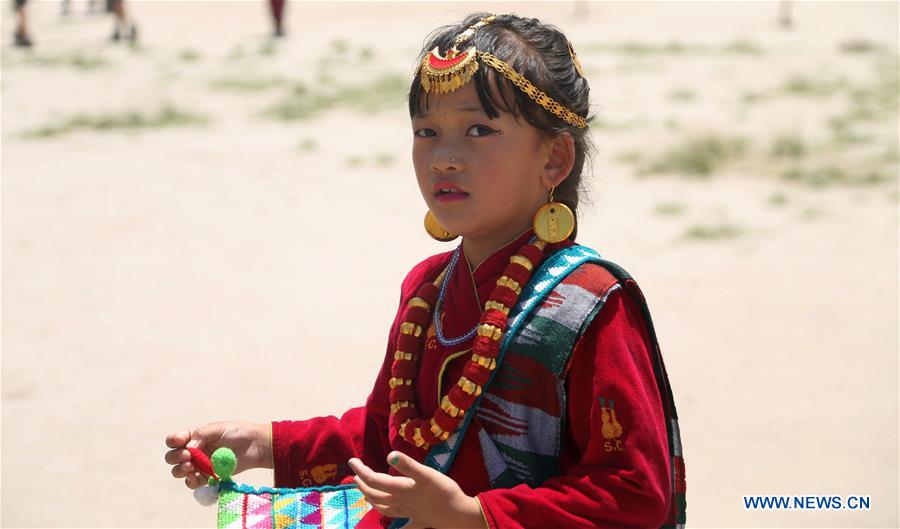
(247,507)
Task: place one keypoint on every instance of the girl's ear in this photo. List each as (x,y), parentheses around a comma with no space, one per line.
(560,160)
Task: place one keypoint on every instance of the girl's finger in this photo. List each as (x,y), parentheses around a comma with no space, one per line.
(194,480)
(173,457)
(196,441)
(409,466)
(183,469)
(373,496)
(177,439)
(379,481)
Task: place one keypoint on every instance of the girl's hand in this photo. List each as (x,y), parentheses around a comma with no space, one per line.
(424,495)
(251,443)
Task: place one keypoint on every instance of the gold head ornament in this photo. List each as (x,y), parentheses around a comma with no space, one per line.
(575,60)
(442,74)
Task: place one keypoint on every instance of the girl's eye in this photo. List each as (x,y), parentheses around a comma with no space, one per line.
(424,133)
(480,130)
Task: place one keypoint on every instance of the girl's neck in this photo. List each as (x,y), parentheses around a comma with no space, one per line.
(478,249)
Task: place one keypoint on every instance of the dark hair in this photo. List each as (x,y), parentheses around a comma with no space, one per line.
(540,53)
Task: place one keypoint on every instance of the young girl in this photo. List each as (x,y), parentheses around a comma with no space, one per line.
(522,385)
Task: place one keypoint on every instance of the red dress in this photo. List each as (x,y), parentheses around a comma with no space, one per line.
(606,481)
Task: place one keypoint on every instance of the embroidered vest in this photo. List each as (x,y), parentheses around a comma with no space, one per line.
(521,411)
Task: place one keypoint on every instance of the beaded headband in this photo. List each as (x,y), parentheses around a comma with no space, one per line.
(443,74)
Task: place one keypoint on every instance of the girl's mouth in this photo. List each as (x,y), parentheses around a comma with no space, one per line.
(447,192)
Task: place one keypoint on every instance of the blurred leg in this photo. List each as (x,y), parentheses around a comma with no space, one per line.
(277,16)
(22,35)
(123,27)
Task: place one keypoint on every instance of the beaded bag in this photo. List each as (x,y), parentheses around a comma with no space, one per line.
(246,507)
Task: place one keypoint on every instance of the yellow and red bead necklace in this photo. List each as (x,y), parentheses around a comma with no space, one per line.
(425,433)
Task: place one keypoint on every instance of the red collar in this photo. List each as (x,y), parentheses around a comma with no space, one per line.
(467,290)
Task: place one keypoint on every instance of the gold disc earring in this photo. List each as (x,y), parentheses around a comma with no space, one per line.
(436,230)
(554,222)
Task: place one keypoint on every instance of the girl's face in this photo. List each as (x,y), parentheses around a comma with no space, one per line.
(482,178)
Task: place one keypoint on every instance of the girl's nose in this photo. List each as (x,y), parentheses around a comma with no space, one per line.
(445,164)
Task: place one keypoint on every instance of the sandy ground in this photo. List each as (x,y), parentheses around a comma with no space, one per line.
(247,267)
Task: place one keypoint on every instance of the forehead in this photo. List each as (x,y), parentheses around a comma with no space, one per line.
(464,99)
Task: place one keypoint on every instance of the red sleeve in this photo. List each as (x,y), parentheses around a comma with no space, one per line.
(615,460)
(315,452)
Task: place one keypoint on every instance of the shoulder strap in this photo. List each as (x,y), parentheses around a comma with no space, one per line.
(552,329)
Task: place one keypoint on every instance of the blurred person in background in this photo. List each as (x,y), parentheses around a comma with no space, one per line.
(277,9)
(124,28)
(22,37)
(66,6)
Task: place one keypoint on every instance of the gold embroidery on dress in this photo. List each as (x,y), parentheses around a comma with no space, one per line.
(323,473)
(444,367)
(610,429)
